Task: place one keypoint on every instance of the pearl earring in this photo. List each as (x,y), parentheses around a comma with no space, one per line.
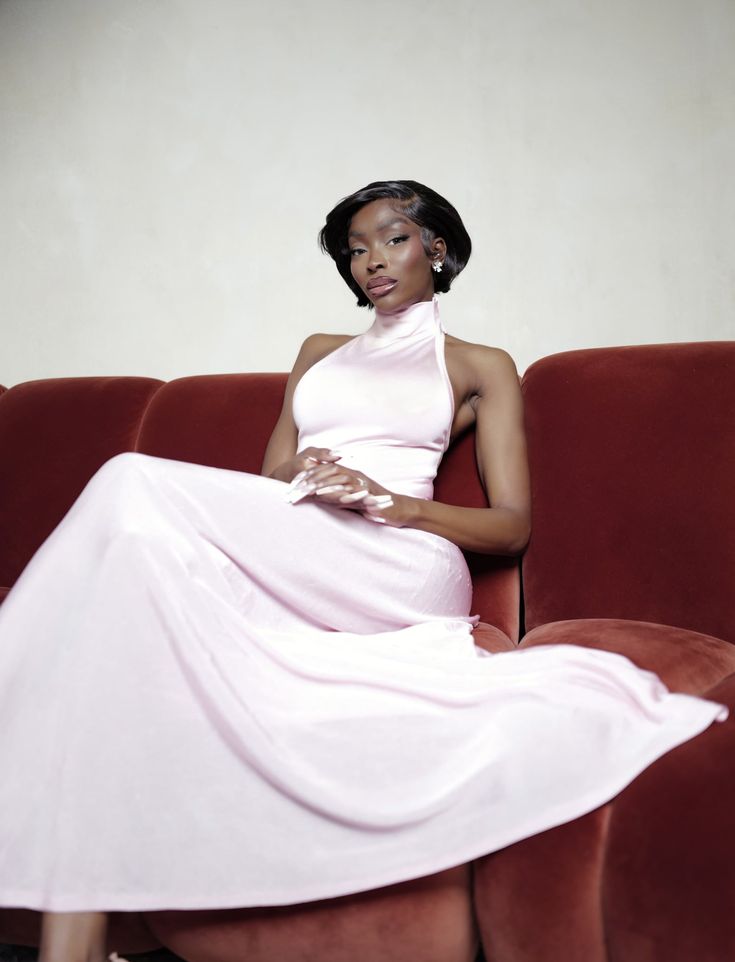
(437,266)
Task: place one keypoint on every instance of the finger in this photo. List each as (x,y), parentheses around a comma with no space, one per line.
(323,472)
(315,469)
(355,496)
(330,489)
(318,482)
(298,477)
(312,476)
(296,495)
(299,483)
(321,455)
(341,479)
(373,507)
(379,502)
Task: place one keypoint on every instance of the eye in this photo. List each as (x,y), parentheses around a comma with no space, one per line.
(399,239)
(356,250)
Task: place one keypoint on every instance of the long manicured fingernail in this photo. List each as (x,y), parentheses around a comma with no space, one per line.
(379,501)
(319,475)
(298,480)
(355,496)
(299,493)
(330,489)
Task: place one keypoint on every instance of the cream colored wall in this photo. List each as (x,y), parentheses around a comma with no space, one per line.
(165,166)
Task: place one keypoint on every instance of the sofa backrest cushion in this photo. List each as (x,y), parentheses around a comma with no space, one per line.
(54,435)
(632,454)
(226,420)
(223,420)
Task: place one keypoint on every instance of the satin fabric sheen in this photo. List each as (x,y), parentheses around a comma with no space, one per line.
(383,401)
(210,697)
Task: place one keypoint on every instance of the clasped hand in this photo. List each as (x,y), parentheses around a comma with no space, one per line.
(321,479)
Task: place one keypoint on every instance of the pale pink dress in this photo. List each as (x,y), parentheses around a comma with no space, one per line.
(210,697)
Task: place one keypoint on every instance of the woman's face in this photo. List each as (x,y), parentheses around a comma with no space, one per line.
(387,256)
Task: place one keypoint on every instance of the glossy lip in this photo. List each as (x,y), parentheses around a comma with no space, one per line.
(380,286)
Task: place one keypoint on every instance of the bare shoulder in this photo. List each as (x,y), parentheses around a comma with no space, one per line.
(488,369)
(480,355)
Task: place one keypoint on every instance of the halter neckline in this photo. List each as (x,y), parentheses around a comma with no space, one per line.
(394,414)
(420,319)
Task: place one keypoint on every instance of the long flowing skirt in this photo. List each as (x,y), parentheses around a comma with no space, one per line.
(212,698)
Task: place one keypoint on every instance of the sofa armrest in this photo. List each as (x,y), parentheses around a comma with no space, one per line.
(669,882)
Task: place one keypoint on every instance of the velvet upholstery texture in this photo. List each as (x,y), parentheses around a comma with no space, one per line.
(492,639)
(542,898)
(429,919)
(54,434)
(222,420)
(632,453)
(669,887)
(686,661)
(539,900)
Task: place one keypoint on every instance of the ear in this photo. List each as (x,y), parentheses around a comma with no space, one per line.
(438,249)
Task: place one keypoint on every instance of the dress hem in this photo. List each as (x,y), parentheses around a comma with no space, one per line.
(562,814)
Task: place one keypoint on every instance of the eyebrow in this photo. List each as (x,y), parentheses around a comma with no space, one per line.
(384,226)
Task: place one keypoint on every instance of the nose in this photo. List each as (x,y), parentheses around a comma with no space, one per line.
(376,261)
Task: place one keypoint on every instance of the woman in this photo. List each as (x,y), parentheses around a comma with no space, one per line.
(396,244)
(284,663)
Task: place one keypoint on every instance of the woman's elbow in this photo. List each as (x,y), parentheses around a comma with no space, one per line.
(520,542)
(517,533)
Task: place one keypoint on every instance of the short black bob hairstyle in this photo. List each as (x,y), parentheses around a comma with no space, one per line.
(434,215)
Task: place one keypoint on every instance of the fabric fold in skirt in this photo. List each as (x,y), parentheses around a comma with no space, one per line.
(211,698)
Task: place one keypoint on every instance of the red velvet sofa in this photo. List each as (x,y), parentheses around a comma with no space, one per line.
(633,470)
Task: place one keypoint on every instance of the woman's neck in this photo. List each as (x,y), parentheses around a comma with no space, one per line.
(414,319)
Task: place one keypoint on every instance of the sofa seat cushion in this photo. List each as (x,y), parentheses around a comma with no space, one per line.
(686,661)
(492,639)
(428,919)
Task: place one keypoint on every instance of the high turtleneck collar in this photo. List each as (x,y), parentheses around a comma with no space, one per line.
(419,318)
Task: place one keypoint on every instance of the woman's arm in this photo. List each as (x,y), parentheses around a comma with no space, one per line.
(500,439)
